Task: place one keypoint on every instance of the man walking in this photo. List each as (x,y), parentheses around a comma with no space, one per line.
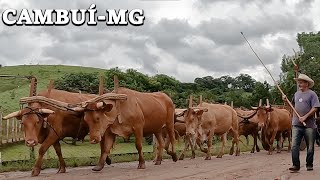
(306,103)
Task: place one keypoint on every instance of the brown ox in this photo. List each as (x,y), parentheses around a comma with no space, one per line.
(141,114)
(207,120)
(248,125)
(273,121)
(47,125)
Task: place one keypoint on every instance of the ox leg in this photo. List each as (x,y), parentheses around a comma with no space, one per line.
(167,143)
(257,137)
(255,142)
(209,143)
(186,146)
(62,164)
(159,148)
(247,138)
(172,153)
(51,139)
(272,141)
(138,133)
(224,140)
(106,144)
(232,148)
(236,141)
(281,140)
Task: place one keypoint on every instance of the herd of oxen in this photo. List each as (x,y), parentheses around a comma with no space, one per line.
(55,114)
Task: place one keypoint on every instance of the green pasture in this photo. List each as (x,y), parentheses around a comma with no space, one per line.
(12,89)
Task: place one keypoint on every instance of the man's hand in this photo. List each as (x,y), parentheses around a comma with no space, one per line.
(303,118)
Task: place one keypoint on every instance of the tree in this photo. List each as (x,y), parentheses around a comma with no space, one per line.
(308,61)
(260,91)
(245,82)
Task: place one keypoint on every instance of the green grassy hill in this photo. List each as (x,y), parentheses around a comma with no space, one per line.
(12,89)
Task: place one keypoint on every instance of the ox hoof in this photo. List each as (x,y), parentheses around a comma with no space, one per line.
(258,150)
(97,168)
(142,166)
(193,156)
(108,160)
(62,170)
(252,151)
(174,157)
(219,156)
(238,152)
(157,162)
(269,153)
(181,157)
(35,172)
(208,158)
(279,151)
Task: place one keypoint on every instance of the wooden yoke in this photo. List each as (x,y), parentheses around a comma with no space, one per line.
(190,101)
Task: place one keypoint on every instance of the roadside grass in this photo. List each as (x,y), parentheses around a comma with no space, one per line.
(17,156)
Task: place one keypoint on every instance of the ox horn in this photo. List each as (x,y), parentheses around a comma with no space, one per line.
(190,101)
(268,104)
(11,115)
(46,111)
(260,103)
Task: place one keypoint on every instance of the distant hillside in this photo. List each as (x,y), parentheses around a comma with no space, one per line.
(12,89)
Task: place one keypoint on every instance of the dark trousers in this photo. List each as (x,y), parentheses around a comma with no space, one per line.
(298,132)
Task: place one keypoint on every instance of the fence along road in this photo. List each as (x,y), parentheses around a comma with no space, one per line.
(11,131)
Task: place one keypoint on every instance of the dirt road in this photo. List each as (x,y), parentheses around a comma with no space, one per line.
(247,166)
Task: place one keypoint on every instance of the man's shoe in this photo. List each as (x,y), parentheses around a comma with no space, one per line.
(294,168)
(309,168)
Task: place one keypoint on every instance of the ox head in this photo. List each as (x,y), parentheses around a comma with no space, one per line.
(192,117)
(33,120)
(100,113)
(263,113)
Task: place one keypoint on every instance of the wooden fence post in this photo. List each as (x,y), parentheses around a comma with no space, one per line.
(8,125)
(1,129)
(20,131)
(12,130)
(16,130)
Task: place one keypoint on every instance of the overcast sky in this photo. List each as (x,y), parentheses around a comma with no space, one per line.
(181,38)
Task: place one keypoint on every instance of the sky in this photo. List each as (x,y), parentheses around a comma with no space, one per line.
(184,39)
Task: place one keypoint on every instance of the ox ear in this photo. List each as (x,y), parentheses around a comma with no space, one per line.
(106,106)
(269,108)
(181,113)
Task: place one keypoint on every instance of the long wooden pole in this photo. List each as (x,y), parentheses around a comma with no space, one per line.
(275,82)
(101,85)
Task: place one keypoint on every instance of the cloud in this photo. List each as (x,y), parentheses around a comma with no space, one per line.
(186,43)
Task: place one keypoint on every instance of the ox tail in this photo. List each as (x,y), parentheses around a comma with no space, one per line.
(243,143)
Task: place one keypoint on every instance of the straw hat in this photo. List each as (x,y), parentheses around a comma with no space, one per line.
(305,78)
